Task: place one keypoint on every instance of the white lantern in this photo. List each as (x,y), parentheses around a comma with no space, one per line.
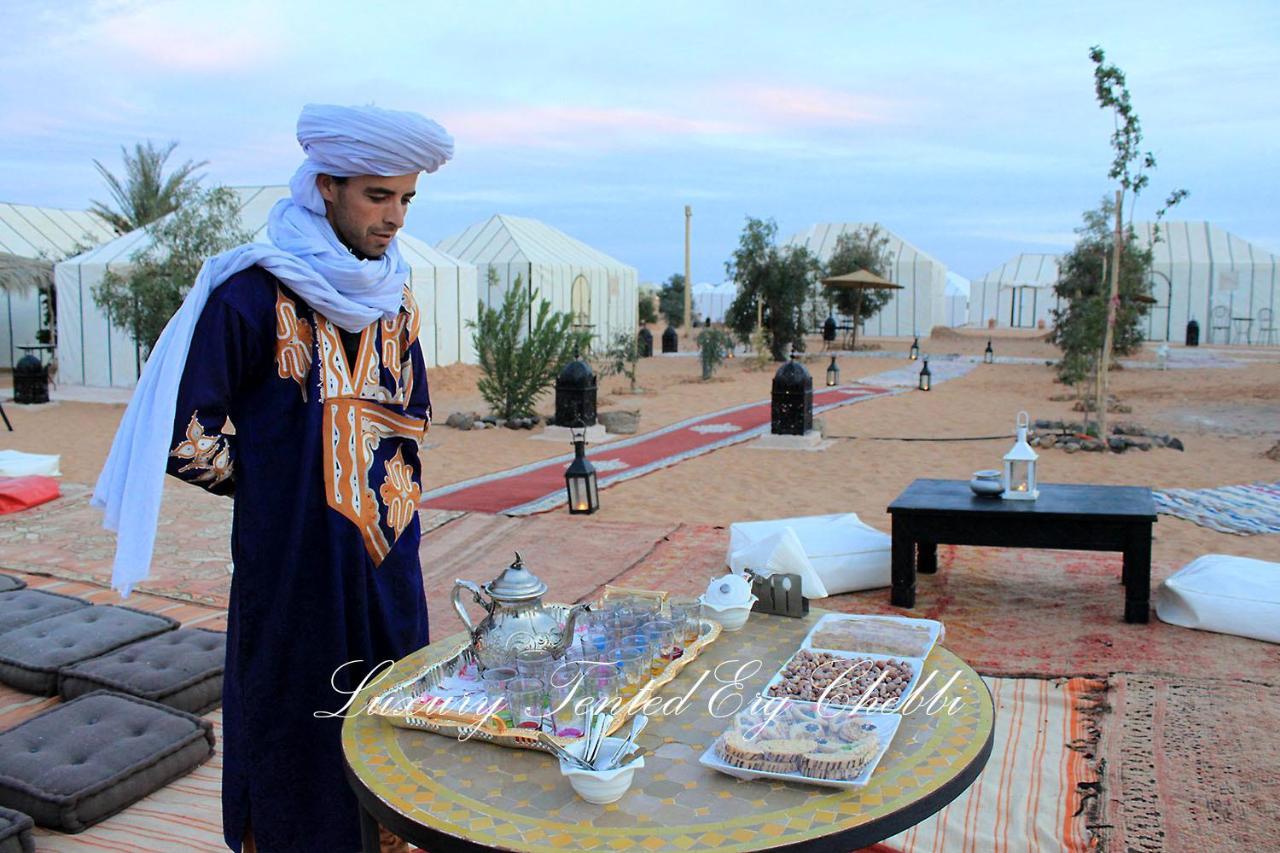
(1020,466)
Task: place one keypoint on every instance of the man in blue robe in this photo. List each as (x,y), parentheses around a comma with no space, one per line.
(298,385)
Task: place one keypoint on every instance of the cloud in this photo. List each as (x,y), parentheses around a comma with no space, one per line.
(185,38)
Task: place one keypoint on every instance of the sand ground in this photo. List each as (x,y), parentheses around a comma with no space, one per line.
(1227,416)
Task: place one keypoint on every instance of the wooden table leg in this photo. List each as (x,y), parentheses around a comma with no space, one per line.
(903,593)
(369,837)
(1137,574)
(927,558)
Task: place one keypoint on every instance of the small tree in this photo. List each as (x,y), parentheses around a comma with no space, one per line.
(779,279)
(521,352)
(863,249)
(671,300)
(713,346)
(622,358)
(145,194)
(647,313)
(141,300)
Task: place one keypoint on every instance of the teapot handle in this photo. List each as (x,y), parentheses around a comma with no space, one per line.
(476,593)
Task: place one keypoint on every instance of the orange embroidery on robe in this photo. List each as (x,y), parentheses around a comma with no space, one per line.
(209,454)
(293,343)
(399,493)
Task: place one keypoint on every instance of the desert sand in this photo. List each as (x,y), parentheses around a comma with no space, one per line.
(1227,415)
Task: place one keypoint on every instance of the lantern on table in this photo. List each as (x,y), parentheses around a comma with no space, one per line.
(580,478)
(1020,466)
(833,373)
(926,377)
(915,349)
(989,357)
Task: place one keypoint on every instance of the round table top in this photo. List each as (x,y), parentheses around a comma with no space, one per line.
(444,794)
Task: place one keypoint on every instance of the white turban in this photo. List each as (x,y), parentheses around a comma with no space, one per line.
(349,141)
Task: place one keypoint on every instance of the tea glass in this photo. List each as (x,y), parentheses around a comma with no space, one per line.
(661,634)
(686,613)
(495,680)
(527,699)
(535,663)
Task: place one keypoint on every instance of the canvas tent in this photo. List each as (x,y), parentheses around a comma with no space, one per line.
(918,307)
(600,292)
(91,351)
(31,240)
(957,299)
(712,301)
(1018,293)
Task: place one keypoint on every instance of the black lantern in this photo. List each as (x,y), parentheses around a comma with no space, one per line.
(792,403)
(670,341)
(30,381)
(989,357)
(576,395)
(646,343)
(915,349)
(833,373)
(926,378)
(829,329)
(580,479)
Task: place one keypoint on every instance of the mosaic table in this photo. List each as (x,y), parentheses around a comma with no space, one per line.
(442,794)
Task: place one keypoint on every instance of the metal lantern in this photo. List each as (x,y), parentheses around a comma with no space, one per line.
(580,479)
(670,340)
(833,373)
(989,356)
(791,406)
(1020,466)
(829,329)
(30,381)
(926,378)
(646,343)
(576,395)
(915,349)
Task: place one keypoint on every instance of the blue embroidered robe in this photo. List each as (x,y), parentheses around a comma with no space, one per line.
(323,464)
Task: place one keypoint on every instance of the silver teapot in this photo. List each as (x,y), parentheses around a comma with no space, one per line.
(516,618)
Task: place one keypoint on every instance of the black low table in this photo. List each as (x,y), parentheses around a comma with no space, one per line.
(1086,518)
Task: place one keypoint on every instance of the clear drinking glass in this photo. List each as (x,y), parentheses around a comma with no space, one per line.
(535,663)
(495,680)
(687,614)
(527,700)
(604,684)
(633,669)
(568,689)
(661,635)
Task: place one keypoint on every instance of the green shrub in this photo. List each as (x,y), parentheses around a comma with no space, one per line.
(713,346)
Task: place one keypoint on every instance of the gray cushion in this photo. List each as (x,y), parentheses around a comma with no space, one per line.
(31,656)
(181,669)
(24,606)
(15,832)
(81,762)
(9,582)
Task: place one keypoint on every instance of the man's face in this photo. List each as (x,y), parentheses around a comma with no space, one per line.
(366,211)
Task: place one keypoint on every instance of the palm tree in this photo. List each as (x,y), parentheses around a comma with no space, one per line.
(145,194)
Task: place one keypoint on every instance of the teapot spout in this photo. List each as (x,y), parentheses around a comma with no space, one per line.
(572,620)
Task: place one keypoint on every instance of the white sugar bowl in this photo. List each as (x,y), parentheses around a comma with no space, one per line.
(600,786)
(729,590)
(730,616)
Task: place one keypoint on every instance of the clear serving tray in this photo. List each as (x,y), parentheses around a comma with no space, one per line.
(935,629)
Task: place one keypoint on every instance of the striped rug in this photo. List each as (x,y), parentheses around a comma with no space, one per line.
(1242,510)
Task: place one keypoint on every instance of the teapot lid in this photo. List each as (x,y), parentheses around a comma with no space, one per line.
(516,583)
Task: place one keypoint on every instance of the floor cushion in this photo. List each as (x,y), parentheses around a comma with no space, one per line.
(15,832)
(24,606)
(85,760)
(1229,595)
(181,669)
(15,463)
(8,583)
(841,553)
(18,493)
(31,656)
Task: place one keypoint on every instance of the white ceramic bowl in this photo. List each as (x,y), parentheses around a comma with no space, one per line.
(730,616)
(600,786)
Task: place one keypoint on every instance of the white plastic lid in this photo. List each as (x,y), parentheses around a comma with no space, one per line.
(730,589)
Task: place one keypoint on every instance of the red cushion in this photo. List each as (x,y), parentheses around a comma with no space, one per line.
(25,492)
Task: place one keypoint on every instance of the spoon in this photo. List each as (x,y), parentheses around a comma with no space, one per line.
(637,725)
(560,752)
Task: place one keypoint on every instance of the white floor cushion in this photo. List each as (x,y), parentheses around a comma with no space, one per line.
(837,553)
(1229,595)
(15,463)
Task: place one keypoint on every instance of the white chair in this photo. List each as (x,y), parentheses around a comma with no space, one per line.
(1221,320)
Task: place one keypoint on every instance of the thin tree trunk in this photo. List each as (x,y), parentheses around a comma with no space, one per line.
(1108,337)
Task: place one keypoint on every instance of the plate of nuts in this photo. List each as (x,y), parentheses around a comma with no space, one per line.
(846,680)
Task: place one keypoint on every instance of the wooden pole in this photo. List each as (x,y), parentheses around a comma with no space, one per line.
(688,280)
(1108,337)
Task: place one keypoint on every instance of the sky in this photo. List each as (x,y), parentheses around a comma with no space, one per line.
(969,129)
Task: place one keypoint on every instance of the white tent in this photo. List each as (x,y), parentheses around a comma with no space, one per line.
(599,291)
(91,351)
(712,301)
(957,297)
(32,239)
(1198,268)
(1018,293)
(919,306)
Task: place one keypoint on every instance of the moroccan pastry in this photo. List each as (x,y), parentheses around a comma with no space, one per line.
(784,756)
(739,751)
(844,763)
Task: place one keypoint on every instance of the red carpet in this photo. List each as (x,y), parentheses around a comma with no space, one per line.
(540,486)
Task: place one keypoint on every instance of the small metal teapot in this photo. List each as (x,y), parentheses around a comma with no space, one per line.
(516,617)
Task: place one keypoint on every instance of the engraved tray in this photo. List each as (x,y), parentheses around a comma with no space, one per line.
(391,704)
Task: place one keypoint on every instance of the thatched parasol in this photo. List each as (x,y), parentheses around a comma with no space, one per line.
(859,280)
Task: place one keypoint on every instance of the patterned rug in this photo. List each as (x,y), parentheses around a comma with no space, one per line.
(1189,764)
(1008,612)
(1243,510)
(540,486)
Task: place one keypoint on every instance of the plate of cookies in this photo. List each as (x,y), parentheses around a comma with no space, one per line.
(846,680)
(878,635)
(800,744)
